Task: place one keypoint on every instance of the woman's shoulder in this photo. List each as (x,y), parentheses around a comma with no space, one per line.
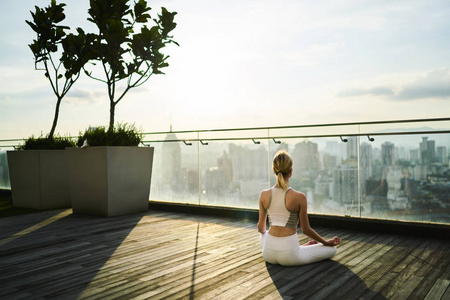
(296,194)
(291,190)
(266,192)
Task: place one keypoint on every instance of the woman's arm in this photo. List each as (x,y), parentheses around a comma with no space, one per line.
(306,228)
(262,215)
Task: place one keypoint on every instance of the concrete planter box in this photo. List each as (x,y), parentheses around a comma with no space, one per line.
(110,181)
(39,179)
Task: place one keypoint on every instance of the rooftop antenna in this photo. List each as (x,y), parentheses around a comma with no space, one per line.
(170,122)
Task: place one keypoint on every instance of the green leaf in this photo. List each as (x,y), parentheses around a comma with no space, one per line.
(125,52)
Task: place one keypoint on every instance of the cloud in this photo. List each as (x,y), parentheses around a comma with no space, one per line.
(435,84)
(84,95)
(376,91)
(78,93)
(39,94)
(43,94)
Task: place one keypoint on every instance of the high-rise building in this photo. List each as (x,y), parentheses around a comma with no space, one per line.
(345,185)
(365,157)
(441,155)
(225,163)
(365,163)
(306,157)
(306,165)
(248,163)
(171,161)
(336,149)
(414,156)
(427,152)
(352,147)
(401,153)
(329,162)
(331,147)
(322,186)
(376,154)
(387,154)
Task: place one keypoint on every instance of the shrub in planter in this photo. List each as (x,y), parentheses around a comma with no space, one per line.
(112,176)
(47,143)
(120,135)
(39,175)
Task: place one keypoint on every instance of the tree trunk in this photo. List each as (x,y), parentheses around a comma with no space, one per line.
(111,114)
(55,119)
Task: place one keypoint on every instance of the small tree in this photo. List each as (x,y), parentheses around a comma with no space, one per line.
(50,37)
(123,54)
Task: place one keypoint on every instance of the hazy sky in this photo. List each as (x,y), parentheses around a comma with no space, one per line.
(250,63)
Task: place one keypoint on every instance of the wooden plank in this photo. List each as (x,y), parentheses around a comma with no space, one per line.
(404,272)
(446,294)
(212,272)
(351,275)
(438,289)
(365,269)
(171,255)
(387,268)
(188,274)
(316,283)
(421,271)
(435,272)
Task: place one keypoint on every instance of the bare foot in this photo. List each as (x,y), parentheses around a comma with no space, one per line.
(310,243)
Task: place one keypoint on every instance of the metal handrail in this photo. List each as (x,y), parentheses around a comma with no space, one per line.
(12,140)
(299,137)
(254,138)
(305,126)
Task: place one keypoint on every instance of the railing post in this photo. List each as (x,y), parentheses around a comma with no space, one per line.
(358,143)
(198,167)
(268,157)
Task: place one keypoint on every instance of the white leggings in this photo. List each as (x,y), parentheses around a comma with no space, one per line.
(286,251)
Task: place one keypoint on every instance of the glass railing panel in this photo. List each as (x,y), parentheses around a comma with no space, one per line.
(233,173)
(4,172)
(175,176)
(406,177)
(389,170)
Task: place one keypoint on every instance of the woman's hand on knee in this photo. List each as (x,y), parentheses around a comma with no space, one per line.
(332,242)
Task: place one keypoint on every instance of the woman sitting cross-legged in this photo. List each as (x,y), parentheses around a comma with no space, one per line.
(285,207)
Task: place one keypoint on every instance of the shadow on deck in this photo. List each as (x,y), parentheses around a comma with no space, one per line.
(162,254)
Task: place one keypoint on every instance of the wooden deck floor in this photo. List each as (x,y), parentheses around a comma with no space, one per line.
(155,255)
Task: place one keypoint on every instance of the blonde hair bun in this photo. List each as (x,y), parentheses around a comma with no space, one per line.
(281,166)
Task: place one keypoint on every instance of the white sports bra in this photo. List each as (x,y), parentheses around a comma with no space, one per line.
(279,215)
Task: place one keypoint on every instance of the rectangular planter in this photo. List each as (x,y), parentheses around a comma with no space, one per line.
(39,179)
(110,181)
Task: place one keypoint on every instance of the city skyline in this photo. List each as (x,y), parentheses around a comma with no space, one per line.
(377,179)
(387,181)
